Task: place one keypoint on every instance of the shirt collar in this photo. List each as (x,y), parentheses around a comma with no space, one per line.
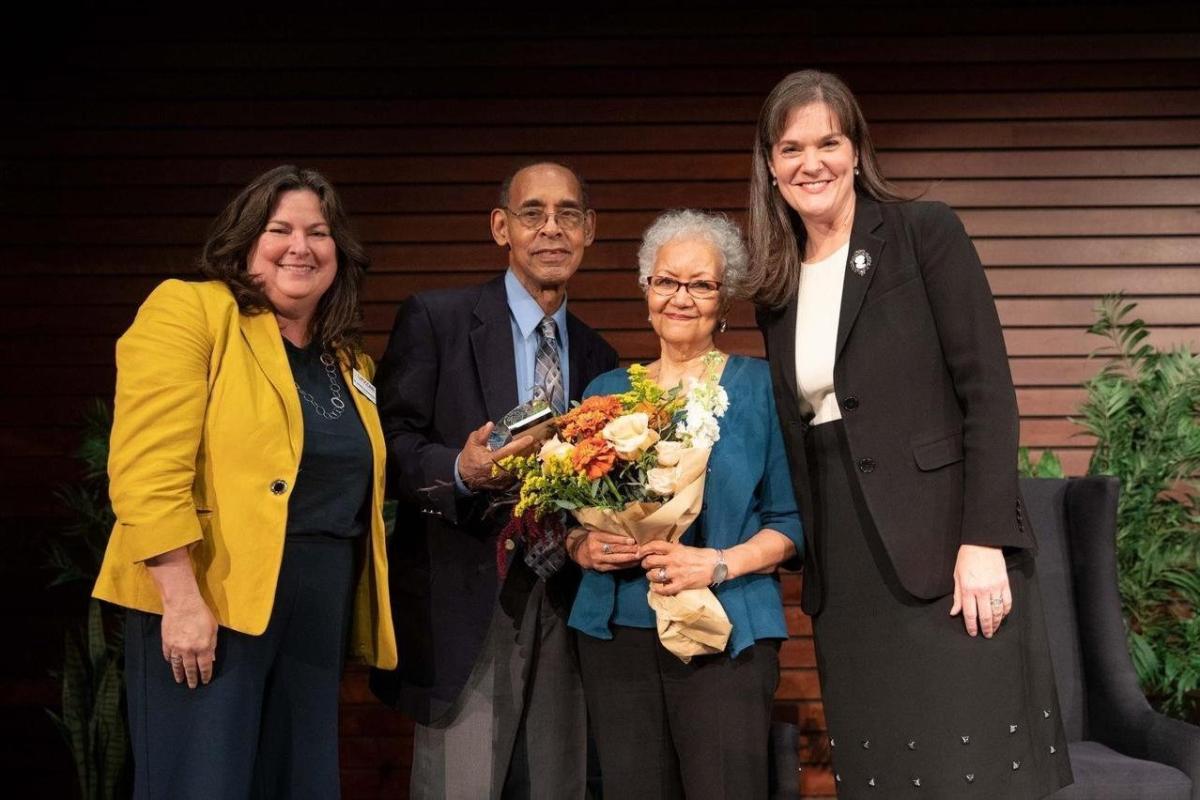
(526,311)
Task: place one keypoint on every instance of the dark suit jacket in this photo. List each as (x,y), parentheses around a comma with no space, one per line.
(922,378)
(448,369)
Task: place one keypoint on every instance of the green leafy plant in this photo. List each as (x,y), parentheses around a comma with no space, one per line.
(92,718)
(75,554)
(1144,410)
(1048,466)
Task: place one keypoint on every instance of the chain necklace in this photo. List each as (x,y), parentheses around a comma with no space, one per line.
(335,390)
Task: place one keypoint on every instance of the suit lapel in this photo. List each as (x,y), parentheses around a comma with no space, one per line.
(783,343)
(492,346)
(261,333)
(578,358)
(863,243)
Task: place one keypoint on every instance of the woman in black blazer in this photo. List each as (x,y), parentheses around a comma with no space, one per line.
(900,418)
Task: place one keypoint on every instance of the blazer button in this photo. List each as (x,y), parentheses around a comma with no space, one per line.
(850,403)
(866,465)
(278,486)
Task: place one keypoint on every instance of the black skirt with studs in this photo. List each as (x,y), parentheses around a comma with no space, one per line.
(914,706)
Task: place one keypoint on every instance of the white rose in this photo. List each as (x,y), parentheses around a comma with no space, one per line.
(555,448)
(668,453)
(661,480)
(630,435)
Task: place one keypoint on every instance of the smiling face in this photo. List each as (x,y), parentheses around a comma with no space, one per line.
(295,258)
(544,257)
(681,320)
(813,163)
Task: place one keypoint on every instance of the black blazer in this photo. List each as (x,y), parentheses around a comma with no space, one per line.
(448,369)
(922,379)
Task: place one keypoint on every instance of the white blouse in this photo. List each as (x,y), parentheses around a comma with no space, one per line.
(817,312)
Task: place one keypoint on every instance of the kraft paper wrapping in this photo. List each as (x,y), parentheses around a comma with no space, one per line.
(691,623)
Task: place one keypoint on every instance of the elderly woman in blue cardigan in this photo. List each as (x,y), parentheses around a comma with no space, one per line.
(663,728)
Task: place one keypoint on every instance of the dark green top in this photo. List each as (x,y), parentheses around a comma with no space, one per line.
(335,468)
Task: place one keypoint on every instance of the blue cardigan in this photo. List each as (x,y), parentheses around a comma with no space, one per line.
(748,488)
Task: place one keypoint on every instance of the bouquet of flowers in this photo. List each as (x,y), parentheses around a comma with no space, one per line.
(631,463)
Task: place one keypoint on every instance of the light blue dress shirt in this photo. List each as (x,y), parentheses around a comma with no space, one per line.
(749,487)
(525,315)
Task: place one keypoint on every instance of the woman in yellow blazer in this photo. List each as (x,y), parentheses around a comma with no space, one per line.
(247,478)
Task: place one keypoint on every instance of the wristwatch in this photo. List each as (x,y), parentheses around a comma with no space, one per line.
(721,570)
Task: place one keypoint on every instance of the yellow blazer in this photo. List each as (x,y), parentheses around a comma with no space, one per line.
(206,442)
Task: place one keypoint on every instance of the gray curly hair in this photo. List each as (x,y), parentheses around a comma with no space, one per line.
(715,228)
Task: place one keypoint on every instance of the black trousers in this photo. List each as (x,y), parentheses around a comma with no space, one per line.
(267,723)
(665,729)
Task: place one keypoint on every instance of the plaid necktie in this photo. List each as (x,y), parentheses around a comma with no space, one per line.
(547,371)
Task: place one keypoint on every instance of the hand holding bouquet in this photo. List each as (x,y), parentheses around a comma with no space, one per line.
(633,463)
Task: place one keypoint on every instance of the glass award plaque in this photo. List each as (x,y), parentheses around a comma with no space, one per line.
(530,418)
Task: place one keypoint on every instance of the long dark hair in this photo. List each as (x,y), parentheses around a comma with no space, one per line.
(337,323)
(776,233)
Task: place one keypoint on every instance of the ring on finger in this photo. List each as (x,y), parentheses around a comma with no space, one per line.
(606,548)
(662,574)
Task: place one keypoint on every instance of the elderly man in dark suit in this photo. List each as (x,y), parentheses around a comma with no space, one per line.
(487,665)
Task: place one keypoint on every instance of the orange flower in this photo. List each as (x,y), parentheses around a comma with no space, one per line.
(585,420)
(658,415)
(594,457)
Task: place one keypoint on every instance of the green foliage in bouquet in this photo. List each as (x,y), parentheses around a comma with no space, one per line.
(1144,410)
(581,471)
(92,719)
(613,450)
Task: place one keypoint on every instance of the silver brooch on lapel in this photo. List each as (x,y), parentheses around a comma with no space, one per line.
(860,262)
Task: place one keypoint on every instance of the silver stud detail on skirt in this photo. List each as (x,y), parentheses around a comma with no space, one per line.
(832,742)
(912,744)
(837,776)
(1053,750)
(1045,713)
(1016,765)
(866,743)
(965,739)
(1012,728)
(871,783)
(970,777)
(916,782)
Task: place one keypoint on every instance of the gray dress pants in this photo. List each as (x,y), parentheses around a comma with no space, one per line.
(519,728)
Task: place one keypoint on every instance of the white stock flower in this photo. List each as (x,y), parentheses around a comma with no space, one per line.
(706,401)
(630,435)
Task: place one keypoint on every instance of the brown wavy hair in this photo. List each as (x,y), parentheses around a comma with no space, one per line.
(337,322)
(776,233)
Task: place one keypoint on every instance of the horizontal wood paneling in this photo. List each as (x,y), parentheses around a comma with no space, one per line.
(1068,140)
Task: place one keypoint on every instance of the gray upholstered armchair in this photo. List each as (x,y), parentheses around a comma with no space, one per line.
(1120,748)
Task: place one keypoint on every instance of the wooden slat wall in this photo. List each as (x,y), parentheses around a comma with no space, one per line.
(1068,140)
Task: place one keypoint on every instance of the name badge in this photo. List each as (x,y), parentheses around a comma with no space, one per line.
(365,386)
